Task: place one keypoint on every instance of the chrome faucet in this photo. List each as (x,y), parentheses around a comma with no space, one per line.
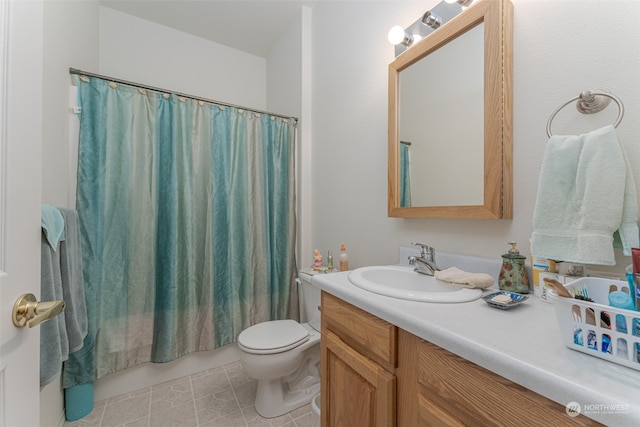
(426,262)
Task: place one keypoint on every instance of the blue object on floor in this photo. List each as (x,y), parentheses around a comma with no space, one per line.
(78,401)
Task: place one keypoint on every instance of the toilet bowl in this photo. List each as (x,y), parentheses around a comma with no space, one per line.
(284,356)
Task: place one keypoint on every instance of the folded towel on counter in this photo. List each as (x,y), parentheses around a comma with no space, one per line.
(73,281)
(586,192)
(52,224)
(462,278)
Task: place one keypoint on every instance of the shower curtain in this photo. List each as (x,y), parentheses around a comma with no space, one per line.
(187,218)
(405,176)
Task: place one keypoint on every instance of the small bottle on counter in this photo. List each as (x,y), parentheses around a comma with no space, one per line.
(329,261)
(344,258)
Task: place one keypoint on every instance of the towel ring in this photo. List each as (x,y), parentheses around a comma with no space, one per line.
(590,102)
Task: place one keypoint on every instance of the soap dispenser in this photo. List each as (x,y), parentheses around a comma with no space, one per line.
(513,275)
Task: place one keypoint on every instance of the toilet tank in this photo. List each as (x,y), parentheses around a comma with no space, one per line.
(311,300)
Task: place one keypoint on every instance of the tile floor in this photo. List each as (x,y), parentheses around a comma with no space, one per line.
(222,397)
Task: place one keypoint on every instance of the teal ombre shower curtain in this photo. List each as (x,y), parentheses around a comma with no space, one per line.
(405,176)
(187,216)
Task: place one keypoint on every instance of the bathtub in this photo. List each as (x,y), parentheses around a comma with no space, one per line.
(149,374)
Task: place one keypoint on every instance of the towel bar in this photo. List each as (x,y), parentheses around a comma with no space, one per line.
(590,102)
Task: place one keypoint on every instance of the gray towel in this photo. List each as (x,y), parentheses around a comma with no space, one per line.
(73,281)
(62,279)
(54,344)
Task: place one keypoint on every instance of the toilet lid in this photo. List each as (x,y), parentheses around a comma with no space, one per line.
(275,336)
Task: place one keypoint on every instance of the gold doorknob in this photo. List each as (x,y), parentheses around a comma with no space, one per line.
(27,311)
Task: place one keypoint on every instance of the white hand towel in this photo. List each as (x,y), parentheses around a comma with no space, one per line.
(586,192)
(462,278)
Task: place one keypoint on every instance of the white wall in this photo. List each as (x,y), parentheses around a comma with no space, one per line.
(560,49)
(144,52)
(71,40)
(289,93)
(284,79)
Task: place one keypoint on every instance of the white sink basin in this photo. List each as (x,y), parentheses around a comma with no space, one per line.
(404,283)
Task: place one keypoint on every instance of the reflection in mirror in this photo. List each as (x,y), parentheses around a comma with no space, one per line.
(450,97)
(441,112)
(405,174)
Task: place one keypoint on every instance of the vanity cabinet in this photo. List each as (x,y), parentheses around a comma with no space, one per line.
(359,357)
(438,387)
(376,374)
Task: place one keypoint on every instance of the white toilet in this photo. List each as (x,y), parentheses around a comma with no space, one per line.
(284,356)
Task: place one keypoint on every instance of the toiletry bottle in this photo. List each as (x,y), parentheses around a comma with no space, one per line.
(631,281)
(344,258)
(513,276)
(635,257)
(329,262)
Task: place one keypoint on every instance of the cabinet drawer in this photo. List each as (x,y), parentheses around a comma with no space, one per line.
(369,335)
(476,396)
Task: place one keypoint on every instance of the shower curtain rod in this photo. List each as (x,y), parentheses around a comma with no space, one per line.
(197,98)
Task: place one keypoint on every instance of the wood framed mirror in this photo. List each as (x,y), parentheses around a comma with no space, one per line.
(450,119)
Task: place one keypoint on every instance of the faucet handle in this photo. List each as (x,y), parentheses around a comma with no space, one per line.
(424,249)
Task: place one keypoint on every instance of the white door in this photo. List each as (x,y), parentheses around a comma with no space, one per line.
(20,187)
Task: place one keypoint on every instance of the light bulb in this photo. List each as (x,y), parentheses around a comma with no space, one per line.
(463,3)
(396,35)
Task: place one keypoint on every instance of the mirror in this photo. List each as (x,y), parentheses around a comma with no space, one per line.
(450,116)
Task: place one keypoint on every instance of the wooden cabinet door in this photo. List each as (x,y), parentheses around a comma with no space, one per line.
(431,415)
(355,390)
(439,388)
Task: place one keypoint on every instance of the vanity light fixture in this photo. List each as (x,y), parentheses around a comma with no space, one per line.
(431,20)
(403,38)
(397,35)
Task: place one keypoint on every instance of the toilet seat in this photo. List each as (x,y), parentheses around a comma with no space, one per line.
(271,337)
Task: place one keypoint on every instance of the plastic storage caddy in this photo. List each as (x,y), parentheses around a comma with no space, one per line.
(596,328)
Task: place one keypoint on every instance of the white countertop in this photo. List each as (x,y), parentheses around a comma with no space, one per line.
(523,345)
